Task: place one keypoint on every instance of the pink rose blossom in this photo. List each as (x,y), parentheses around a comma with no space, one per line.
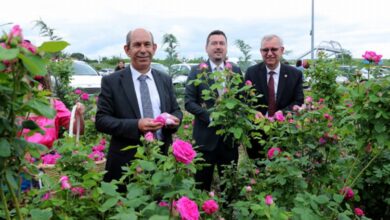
(165,119)
(257,171)
(186,126)
(98,147)
(47,196)
(203,66)
(321,100)
(259,115)
(279,116)
(252,181)
(322,141)
(210,206)
(183,151)
(187,208)
(274,151)
(308,99)
(211,194)
(359,212)
(78,191)
(103,141)
(347,192)
(371,56)
(65,182)
(16,31)
(29,47)
(85,96)
(328,117)
(160,119)
(228,66)
(269,200)
(149,137)
(50,158)
(163,204)
(291,120)
(248,83)
(96,155)
(138,169)
(248,188)
(78,92)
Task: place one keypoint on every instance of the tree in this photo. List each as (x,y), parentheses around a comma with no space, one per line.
(171,43)
(78,56)
(46,31)
(243,62)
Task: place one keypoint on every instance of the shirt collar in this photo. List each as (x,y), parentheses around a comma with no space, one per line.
(137,74)
(276,70)
(213,66)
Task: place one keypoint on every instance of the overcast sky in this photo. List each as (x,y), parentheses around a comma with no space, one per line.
(98,28)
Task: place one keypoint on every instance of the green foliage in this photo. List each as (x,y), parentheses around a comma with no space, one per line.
(245,50)
(172,44)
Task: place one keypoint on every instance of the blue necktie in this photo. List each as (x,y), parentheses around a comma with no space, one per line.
(147,108)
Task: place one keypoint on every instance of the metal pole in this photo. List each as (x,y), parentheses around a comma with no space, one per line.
(312,29)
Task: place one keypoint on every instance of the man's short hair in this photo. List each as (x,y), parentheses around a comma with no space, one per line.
(128,38)
(270,37)
(215,32)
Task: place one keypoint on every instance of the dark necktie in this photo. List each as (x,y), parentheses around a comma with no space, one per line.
(147,108)
(271,95)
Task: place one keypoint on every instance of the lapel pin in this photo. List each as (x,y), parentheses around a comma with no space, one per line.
(285,75)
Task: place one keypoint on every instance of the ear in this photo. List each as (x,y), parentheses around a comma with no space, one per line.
(126,48)
(282,49)
(154,48)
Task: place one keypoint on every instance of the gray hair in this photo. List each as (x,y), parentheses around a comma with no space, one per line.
(270,37)
(128,37)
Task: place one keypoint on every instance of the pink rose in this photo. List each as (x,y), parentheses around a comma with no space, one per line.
(228,66)
(163,204)
(248,83)
(47,196)
(16,31)
(29,47)
(78,191)
(269,200)
(308,99)
(103,141)
(259,115)
(203,66)
(274,151)
(279,116)
(211,194)
(65,182)
(252,181)
(248,188)
(359,212)
(160,119)
(186,126)
(165,119)
(183,151)
(187,208)
(321,100)
(322,141)
(347,192)
(328,117)
(50,158)
(78,91)
(85,96)
(96,155)
(210,206)
(257,171)
(371,56)
(99,147)
(149,137)
(139,169)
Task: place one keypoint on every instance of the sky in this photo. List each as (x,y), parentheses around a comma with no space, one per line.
(97,28)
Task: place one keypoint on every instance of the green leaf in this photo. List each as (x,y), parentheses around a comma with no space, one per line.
(5,148)
(41,214)
(108,204)
(34,64)
(29,124)
(41,108)
(53,46)
(8,54)
(125,216)
(9,175)
(109,189)
(338,198)
(147,165)
(2,67)
(159,217)
(380,127)
(322,199)
(230,104)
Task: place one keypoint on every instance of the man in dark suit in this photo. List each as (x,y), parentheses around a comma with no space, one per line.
(286,82)
(215,150)
(129,101)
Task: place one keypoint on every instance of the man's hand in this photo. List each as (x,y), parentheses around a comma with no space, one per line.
(175,123)
(148,124)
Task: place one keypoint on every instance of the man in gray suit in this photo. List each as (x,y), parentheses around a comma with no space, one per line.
(215,150)
(129,101)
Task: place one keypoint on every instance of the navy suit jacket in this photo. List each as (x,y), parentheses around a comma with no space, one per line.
(118,114)
(205,137)
(289,91)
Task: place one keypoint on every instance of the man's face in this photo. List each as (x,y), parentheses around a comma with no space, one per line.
(217,48)
(272,52)
(141,50)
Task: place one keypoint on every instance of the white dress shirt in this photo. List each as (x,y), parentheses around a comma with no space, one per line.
(154,96)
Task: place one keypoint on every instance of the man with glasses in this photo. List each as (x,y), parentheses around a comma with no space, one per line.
(279,84)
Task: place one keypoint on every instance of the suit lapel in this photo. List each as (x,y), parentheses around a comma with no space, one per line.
(263,81)
(282,82)
(160,88)
(128,87)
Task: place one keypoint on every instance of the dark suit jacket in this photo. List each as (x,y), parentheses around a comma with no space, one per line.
(289,91)
(204,136)
(118,114)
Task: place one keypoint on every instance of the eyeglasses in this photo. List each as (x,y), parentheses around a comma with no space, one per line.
(273,49)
